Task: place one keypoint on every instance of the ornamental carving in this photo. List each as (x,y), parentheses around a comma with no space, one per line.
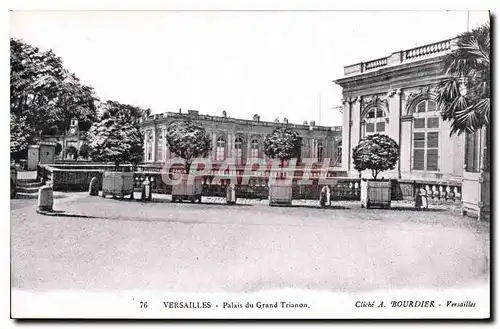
(415,96)
(376,101)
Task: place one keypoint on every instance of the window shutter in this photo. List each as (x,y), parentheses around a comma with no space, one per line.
(381,126)
(421,107)
(433,139)
(432,159)
(433,122)
(370,127)
(418,159)
(419,123)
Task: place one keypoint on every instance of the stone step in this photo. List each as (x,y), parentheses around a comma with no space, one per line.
(26,180)
(29,184)
(21,195)
(27,189)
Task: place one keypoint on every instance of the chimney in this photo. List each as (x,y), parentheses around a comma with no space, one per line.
(285,120)
(180,111)
(224,114)
(256,117)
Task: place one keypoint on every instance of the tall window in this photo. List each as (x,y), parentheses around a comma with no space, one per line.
(149,146)
(159,145)
(238,150)
(375,121)
(425,136)
(338,161)
(472,152)
(319,151)
(254,150)
(220,150)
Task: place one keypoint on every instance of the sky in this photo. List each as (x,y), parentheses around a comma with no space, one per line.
(278,64)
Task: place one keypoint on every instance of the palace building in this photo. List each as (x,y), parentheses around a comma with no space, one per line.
(396,96)
(240,138)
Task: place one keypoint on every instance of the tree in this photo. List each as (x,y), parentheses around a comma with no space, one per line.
(58,148)
(188,141)
(464,94)
(377,153)
(84,150)
(19,135)
(71,151)
(46,93)
(283,144)
(116,137)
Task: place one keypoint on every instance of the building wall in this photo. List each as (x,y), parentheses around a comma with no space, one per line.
(233,130)
(397,89)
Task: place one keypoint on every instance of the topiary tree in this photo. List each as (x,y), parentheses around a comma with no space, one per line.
(282,143)
(377,153)
(188,141)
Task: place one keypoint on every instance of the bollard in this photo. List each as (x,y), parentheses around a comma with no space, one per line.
(45,198)
(93,187)
(231,194)
(146,194)
(324,196)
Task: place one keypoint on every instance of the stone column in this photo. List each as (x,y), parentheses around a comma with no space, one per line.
(249,148)
(346,134)
(394,124)
(214,145)
(355,131)
(153,156)
(229,145)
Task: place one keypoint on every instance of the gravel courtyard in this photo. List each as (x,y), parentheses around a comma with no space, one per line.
(105,244)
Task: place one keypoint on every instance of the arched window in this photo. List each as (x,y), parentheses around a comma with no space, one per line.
(319,151)
(338,160)
(238,150)
(375,120)
(159,145)
(254,150)
(149,146)
(220,150)
(425,136)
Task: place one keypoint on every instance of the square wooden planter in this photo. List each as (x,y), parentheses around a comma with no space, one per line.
(280,193)
(118,184)
(376,193)
(187,190)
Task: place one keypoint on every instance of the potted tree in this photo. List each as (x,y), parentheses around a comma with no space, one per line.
(116,138)
(283,144)
(188,141)
(376,153)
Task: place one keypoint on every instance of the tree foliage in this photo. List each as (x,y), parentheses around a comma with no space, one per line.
(20,133)
(282,143)
(188,141)
(464,95)
(377,153)
(116,137)
(84,150)
(45,93)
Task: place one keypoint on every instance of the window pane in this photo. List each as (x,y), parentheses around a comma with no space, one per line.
(433,122)
(421,107)
(371,114)
(380,126)
(419,140)
(431,106)
(432,159)
(419,123)
(433,139)
(380,113)
(418,159)
(370,127)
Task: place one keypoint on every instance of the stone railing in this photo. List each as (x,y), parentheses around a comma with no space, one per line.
(429,49)
(401,56)
(375,64)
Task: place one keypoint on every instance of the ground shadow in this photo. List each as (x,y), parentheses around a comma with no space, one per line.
(334,207)
(414,209)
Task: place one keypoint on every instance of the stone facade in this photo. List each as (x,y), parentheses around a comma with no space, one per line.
(396,96)
(72,137)
(239,138)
